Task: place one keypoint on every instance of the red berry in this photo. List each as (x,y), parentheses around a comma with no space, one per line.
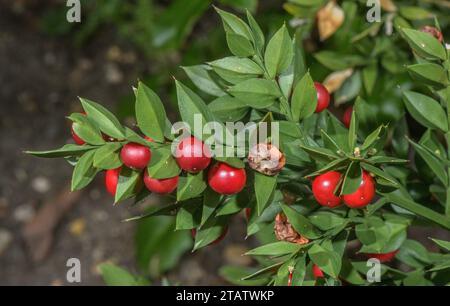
(76,138)
(323,97)
(135,156)
(225,179)
(382,257)
(363,195)
(111,180)
(161,186)
(193,155)
(317,272)
(219,239)
(324,187)
(347,117)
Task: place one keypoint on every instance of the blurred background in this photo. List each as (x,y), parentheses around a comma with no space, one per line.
(47,62)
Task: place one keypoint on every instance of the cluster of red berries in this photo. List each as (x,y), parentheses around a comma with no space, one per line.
(192,155)
(325,187)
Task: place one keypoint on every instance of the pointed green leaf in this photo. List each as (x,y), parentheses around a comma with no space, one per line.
(426,110)
(103,118)
(279,52)
(304,98)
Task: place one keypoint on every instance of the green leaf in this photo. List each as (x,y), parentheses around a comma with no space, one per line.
(103,118)
(162,164)
(352,135)
(279,52)
(158,247)
(426,110)
(300,223)
(116,276)
(211,201)
(107,156)
(369,76)
(257,93)
(276,249)
(432,161)
(415,13)
(232,161)
(190,187)
(304,98)
(86,130)
(352,178)
(64,151)
(264,187)
(212,230)
(424,44)
(337,61)
(429,73)
(380,173)
(189,215)
(238,65)
(326,220)
(201,78)
(150,113)
(401,200)
(130,181)
(445,245)
(228,109)
(190,104)
(414,254)
(327,260)
(257,34)
(234,24)
(319,153)
(374,136)
(234,275)
(84,171)
(239,45)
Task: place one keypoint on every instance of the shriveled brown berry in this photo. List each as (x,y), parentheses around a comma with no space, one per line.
(266,158)
(285,232)
(434,32)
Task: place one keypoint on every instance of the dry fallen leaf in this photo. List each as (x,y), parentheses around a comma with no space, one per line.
(329,19)
(335,80)
(285,232)
(388,5)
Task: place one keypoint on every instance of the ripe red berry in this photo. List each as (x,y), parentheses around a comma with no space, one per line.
(219,239)
(382,257)
(135,156)
(111,180)
(192,155)
(161,186)
(75,137)
(317,272)
(323,97)
(225,179)
(363,195)
(324,187)
(347,117)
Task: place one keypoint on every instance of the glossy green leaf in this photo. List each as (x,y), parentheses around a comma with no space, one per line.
(300,223)
(64,151)
(257,93)
(429,73)
(228,109)
(264,187)
(426,110)
(107,156)
(162,164)
(433,162)
(201,78)
(103,118)
(279,52)
(352,178)
(190,186)
(424,44)
(84,171)
(130,182)
(150,113)
(276,249)
(304,98)
(86,130)
(239,45)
